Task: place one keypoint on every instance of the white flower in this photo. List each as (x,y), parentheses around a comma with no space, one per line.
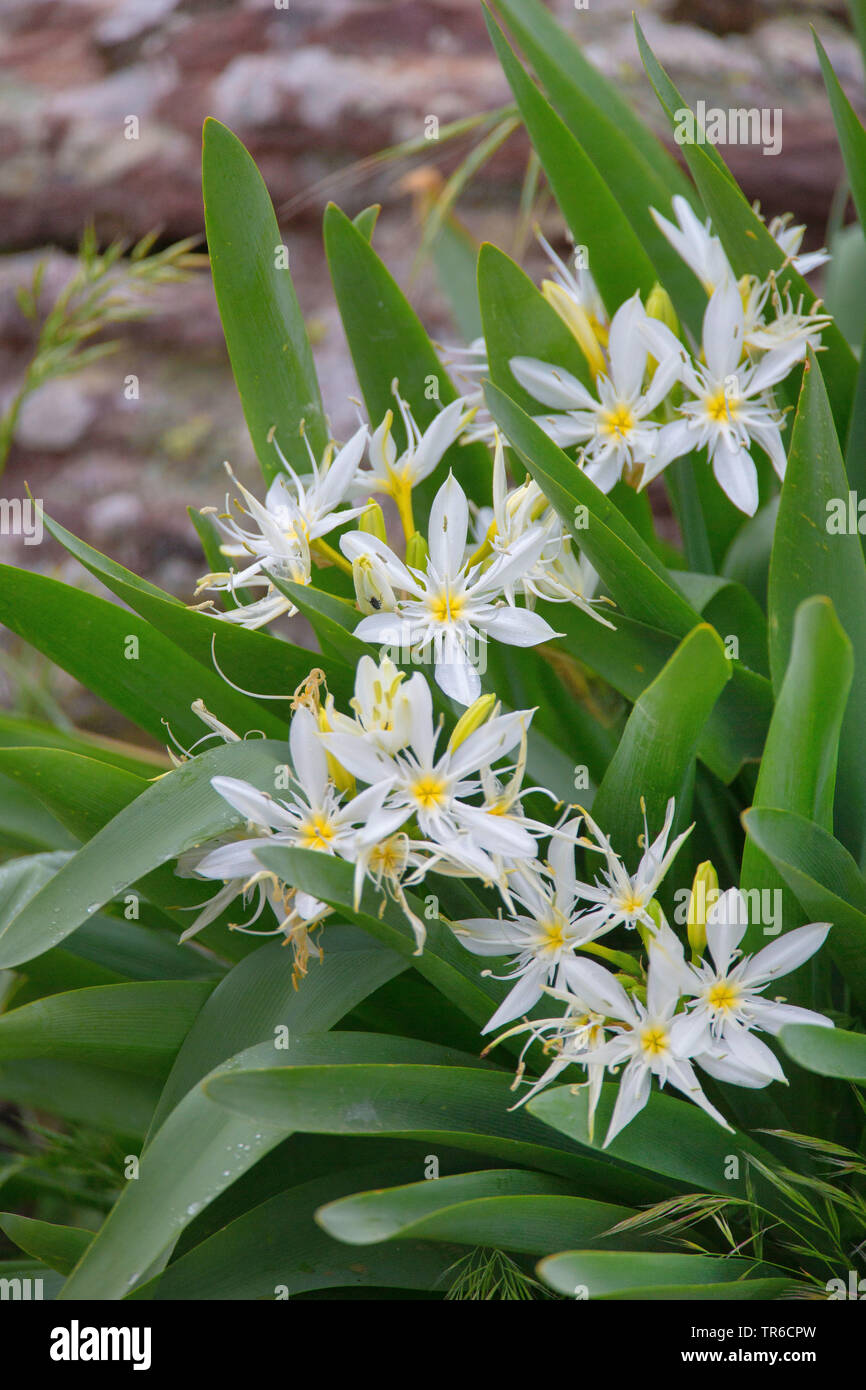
(558,575)
(651,1039)
(695,243)
(453,607)
(543,938)
(573,1038)
(575,297)
(790,238)
(730,407)
(382,705)
(435,788)
(296,514)
(616,430)
(727,994)
(622,898)
(394,475)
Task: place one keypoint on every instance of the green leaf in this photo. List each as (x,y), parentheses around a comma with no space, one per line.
(827,1051)
(609,140)
(277,1246)
(135,1028)
(656,752)
(508,1209)
(603,1274)
(852,136)
(519,322)
(259,995)
(811,558)
(261,318)
(251,659)
(388,341)
(26,733)
(177,812)
(620,264)
(825,879)
(57,1246)
(798,769)
(99,1097)
(200,1150)
(463,1106)
(91,639)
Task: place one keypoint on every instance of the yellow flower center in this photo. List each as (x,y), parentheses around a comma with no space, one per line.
(654,1041)
(619,421)
(316,833)
(429,792)
(723,996)
(554,933)
(631,903)
(721,407)
(446,608)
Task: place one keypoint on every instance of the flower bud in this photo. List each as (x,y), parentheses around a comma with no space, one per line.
(578,321)
(659,306)
(471,719)
(705,892)
(342,780)
(417,553)
(372,521)
(372,586)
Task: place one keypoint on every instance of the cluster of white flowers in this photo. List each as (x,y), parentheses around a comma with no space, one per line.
(379,787)
(657,397)
(376,788)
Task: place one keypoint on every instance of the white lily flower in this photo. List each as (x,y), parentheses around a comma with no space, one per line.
(695,243)
(727,993)
(574,1038)
(790,239)
(616,430)
(543,938)
(452,608)
(394,475)
(651,1039)
(731,407)
(382,705)
(621,898)
(436,788)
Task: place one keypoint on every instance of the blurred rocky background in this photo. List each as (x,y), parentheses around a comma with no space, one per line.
(101,107)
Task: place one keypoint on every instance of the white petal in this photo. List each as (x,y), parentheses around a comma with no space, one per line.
(253,805)
(520,999)
(737,476)
(553,386)
(520,627)
(727,920)
(786,954)
(448,528)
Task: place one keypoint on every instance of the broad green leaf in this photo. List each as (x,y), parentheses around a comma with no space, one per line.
(632,655)
(388,342)
(33,1270)
(136,1028)
(177,812)
(120,657)
(733,612)
(26,826)
(538,32)
(506,1208)
(99,1097)
(27,733)
(852,136)
(608,140)
(455,256)
(57,1246)
(463,1106)
(825,879)
(815,553)
(259,995)
(200,1149)
(519,322)
(656,752)
(261,318)
(603,1274)
(747,242)
(278,1246)
(798,769)
(253,660)
(620,265)
(827,1051)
